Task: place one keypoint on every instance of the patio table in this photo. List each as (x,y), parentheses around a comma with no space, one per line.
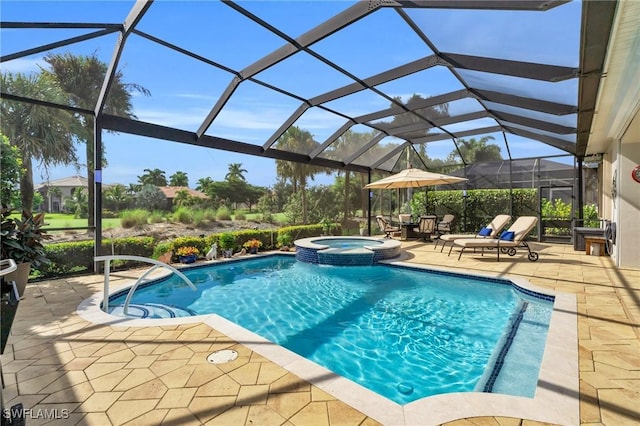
(407,230)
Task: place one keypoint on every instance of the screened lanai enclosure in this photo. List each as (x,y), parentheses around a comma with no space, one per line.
(499,92)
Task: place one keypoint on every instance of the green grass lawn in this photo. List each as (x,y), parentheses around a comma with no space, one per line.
(61,220)
(278,217)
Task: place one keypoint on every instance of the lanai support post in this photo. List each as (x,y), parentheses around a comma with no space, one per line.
(580,193)
(369,195)
(97,191)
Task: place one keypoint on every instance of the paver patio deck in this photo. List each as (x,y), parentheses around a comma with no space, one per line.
(111,374)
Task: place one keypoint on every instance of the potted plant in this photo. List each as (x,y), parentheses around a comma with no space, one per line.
(227,243)
(252,245)
(284,241)
(21,240)
(187,254)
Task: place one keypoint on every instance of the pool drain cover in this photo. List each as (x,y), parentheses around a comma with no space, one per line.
(220,357)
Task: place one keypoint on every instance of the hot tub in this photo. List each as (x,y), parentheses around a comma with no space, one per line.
(345,251)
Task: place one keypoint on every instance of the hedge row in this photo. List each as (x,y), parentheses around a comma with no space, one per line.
(77,257)
(482,205)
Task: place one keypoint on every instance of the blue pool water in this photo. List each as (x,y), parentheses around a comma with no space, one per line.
(403,333)
(347,243)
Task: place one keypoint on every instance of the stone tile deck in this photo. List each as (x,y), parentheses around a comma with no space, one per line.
(58,364)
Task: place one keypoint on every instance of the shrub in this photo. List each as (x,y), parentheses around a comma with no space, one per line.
(209,214)
(240,216)
(151,198)
(198,218)
(197,242)
(162,248)
(134,218)
(223,213)
(156,217)
(77,256)
(183,215)
(285,239)
(590,215)
(227,241)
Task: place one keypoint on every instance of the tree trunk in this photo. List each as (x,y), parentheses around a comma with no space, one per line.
(345,207)
(365,200)
(26,185)
(90,185)
(304,204)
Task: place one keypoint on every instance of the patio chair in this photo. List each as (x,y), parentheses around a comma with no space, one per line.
(426,226)
(404,218)
(508,241)
(386,227)
(492,230)
(445,225)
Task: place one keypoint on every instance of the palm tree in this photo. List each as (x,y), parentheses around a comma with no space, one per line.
(297,140)
(117,196)
(153,177)
(181,198)
(40,133)
(134,188)
(349,141)
(81,77)
(179,179)
(78,203)
(235,173)
(203,184)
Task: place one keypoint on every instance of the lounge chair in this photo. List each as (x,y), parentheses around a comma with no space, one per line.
(492,230)
(386,227)
(426,226)
(508,241)
(445,224)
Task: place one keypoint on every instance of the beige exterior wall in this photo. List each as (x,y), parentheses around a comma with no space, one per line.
(616,133)
(620,159)
(628,203)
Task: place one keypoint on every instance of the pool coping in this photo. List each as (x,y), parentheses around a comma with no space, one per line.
(556,396)
(308,242)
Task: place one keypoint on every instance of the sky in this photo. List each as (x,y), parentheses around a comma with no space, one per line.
(184,90)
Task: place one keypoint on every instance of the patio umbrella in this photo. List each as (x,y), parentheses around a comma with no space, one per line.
(413,178)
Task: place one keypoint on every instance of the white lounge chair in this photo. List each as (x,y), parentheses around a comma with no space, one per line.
(492,230)
(518,231)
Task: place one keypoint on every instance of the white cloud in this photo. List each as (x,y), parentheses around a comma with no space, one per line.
(251,118)
(191,118)
(198,96)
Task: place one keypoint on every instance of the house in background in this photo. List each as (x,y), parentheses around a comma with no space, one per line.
(171,191)
(56,191)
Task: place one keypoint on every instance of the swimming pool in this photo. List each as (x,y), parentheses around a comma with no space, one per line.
(401,332)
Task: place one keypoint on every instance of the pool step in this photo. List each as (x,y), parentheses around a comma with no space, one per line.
(346,256)
(151,310)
